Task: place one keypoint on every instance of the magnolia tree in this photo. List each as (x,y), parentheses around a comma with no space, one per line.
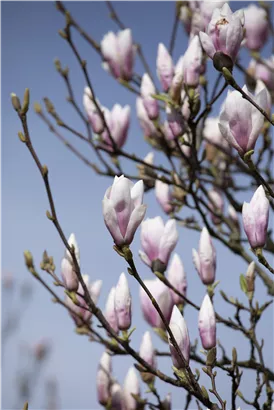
(205,156)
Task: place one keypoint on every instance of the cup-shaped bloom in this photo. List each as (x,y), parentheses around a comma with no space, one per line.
(255,218)
(179,329)
(240,122)
(123,209)
(73,243)
(216,204)
(123,303)
(167,402)
(117,120)
(205,259)
(256,27)
(207,324)
(110,312)
(131,386)
(163,196)
(192,63)
(158,240)
(165,67)
(92,112)
(161,294)
(147,351)
(263,71)
(225,32)
(147,90)
(69,276)
(177,277)
(117,397)
(118,52)
(103,379)
(146,124)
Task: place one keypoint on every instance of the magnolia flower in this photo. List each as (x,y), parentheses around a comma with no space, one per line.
(259,87)
(122,303)
(69,276)
(123,209)
(163,196)
(240,122)
(263,71)
(147,90)
(255,218)
(146,124)
(207,324)
(131,386)
(216,204)
(95,290)
(224,33)
(165,67)
(161,294)
(158,240)
(177,277)
(110,313)
(207,8)
(232,214)
(175,122)
(147,351)
(205,259)
(256,27)
(177,81)
(192,63)
(118,123)
(179,329)
(73,243)
(103,378)
(118,52)
(117,397)
(92,112)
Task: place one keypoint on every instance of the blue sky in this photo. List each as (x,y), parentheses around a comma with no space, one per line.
(30,42)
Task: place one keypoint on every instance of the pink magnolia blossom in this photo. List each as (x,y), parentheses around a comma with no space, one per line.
(177,277)
(117,397)
(165,67)
(118,52)
(147,90)
(110,312)
(240,122)
(131,386)
(224,33)
(256,27)
(122,303)
(192,63)
(175,122)
(263,71)
(164,196)
(162,295)
(255,218)
(103,379)
(216,204)
(147,351)
(207,324)
(69,276)
(146,124)
(117,121)
(205,259)
(259,87)
(179,329)
(213,135)
(158,240)
(123,209)
(92,112)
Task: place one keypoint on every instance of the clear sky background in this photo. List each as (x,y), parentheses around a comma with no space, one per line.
(30,42)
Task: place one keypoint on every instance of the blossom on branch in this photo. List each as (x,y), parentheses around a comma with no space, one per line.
(179,329)
(205,259)
(122,303)
(177,277)
(207,324)
(256,27)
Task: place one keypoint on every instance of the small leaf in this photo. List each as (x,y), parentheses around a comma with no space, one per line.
(243,283)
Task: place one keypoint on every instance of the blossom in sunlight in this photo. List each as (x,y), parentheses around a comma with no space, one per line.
(119,52)
(177,277)
(123,209)
(205,259)
(122,303)
(103,379)
(255,218)
(147,90)
(207,324)
(163,196)
(162,295)
(165,67)
(240,122)
(256,27)
(131,386)
(158,240)
(225,32)
(179,329)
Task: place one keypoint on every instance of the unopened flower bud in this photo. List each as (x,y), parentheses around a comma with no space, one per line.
(110,313)
(250,277)
(131,386)
(179,329)
(122,303)
(205,259)
(177,277)
(103,379)
(207,324)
